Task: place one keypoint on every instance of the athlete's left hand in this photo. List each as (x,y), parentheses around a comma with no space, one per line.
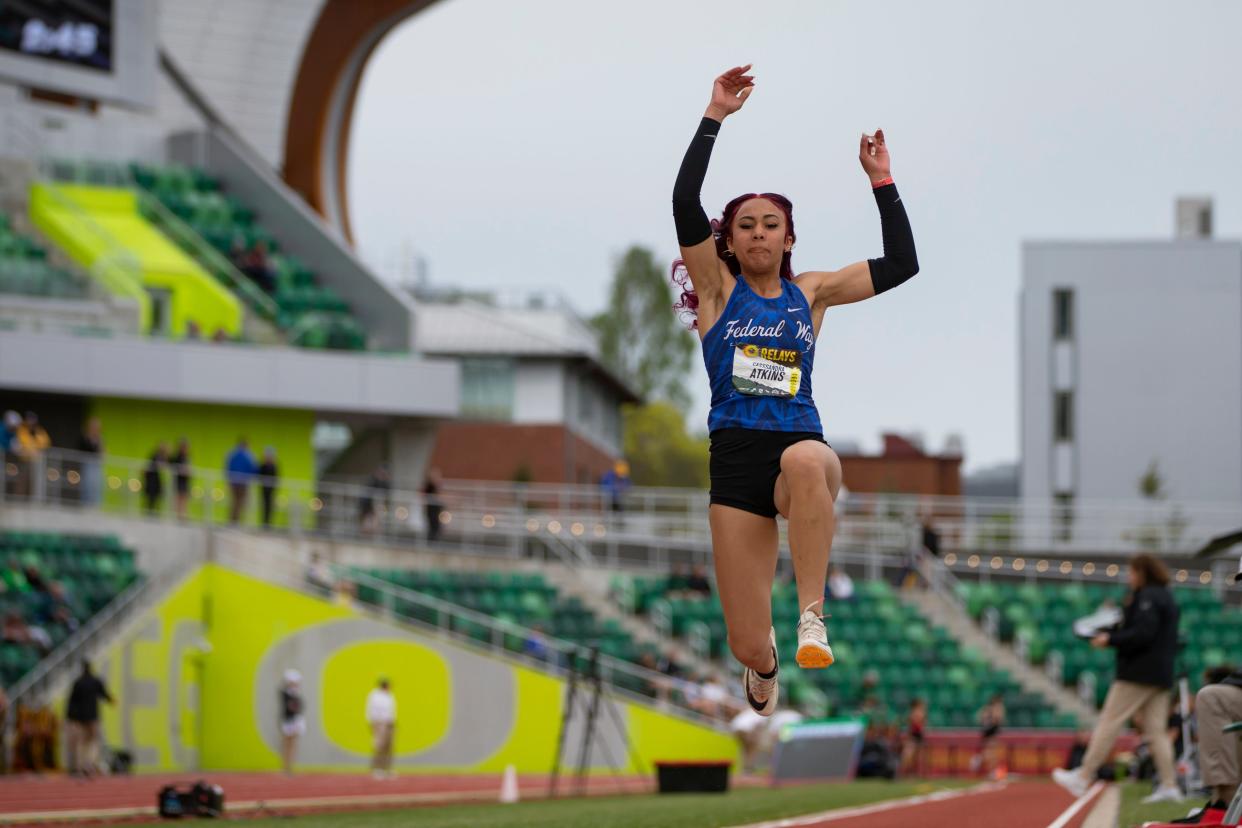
(1100,640)
(873,155)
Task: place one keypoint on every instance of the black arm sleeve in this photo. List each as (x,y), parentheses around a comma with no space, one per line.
(692,224)
(899,261)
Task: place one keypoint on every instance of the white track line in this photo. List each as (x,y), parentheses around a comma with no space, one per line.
(863,810)
(1078,805)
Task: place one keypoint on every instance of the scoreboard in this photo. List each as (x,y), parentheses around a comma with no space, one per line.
(103,50)
(77,33)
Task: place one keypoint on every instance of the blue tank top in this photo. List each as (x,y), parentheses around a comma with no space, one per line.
(759,357)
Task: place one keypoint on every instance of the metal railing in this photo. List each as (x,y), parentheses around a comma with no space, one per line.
(576,524)
(220,267)
(1013,525)
(100,626)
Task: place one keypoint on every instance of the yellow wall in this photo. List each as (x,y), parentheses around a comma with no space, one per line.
(93,224)
(135,426)
(197,683)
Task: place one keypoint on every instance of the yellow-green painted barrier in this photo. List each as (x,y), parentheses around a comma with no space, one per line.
(197,682)
(102,229)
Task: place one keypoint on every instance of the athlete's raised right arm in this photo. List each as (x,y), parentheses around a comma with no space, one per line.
(694,231)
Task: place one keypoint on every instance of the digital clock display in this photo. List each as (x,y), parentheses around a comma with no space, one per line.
(75,32)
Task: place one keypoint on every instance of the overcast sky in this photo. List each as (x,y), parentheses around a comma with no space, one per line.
(528,143)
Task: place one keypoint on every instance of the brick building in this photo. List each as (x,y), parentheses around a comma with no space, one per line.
(903,467)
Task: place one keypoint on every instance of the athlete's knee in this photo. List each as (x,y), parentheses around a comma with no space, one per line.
(803,467)
(752,650)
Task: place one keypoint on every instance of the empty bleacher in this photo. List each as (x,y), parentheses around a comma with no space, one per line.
(25,269)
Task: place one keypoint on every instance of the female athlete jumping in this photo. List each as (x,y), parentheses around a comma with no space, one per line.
(758,324)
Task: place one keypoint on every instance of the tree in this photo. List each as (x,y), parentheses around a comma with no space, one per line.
(1151,484)
(640,337)
(659,450)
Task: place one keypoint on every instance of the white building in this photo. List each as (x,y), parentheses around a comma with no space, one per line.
(1131,354)
(537,402)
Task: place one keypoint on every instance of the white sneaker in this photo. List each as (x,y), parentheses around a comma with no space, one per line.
(1165,793)
(761,694)
(813,649)
(1071,780)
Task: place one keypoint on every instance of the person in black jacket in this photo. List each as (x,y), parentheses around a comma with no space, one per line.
(1146,644)
(82,716)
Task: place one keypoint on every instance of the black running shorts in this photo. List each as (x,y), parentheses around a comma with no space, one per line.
(745,463)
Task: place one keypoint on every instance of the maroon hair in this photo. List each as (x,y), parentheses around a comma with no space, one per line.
(688,304)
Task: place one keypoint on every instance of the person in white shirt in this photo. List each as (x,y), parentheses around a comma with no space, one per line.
(382,717)
(840,585)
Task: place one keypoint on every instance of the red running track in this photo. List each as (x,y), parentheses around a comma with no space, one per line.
(22,797)
(1016,804)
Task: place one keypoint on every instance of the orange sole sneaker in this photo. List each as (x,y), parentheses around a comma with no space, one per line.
(814,656)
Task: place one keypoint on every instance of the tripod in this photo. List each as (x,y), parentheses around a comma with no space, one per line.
(584,689)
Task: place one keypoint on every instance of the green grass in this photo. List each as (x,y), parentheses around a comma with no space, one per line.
(637,811)
(1133,812)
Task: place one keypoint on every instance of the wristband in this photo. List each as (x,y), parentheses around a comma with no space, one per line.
(875,185)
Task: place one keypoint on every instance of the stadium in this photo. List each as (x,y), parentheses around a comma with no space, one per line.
(346,549)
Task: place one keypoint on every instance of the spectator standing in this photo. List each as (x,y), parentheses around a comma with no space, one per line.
(377,487)
(931,538)
(90,446)
(292,718)
(991,718)
(82,718)
(8,434)
(616,483)
(240,469)
(1146,645)
(180,463)
(840,585)
(432,505)
(30,442)
(916,734)
(32,439)
(153,478)
(269,474)
(382,717)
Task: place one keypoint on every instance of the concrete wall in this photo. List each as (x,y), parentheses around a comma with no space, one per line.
(1154,364)
(243,57)
(31,314)
(157,544)
(230,374)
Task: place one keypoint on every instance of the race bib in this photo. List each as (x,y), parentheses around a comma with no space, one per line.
(767,372)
